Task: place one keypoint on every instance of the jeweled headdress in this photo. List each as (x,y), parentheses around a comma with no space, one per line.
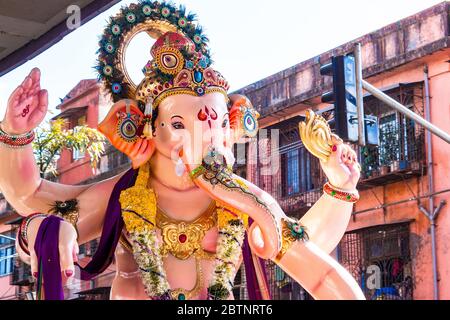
(180,64)
(180,57)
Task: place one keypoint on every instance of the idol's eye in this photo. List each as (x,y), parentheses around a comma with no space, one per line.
(224,123)
(177,125)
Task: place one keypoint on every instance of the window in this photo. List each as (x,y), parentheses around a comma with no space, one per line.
(401,139)
(305,170)
(389,149)
(103,166)
(297,171)
(7,251)
(76,154)
(383,252)
(292,173)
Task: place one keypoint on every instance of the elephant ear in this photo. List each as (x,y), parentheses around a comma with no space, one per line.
(123,127)
(243,118)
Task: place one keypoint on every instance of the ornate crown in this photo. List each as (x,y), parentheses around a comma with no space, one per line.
(180,62)
(177,68)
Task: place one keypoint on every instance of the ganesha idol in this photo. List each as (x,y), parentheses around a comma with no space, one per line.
(179,223)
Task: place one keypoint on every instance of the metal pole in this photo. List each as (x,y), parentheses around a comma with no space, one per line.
(430,172)
(359,96)
(434,258)
(404,110)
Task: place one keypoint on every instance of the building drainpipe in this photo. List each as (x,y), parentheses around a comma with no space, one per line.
(431,213)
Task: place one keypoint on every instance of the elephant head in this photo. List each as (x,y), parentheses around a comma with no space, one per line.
(181,112)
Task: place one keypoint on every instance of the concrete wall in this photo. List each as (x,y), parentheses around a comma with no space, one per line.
(439,77)
(288,92)
(395,54)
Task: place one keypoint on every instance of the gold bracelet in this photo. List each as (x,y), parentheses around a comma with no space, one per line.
(197,172)
(23,231)
(291,231)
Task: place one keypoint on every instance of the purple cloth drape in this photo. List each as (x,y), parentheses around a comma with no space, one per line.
(253,287)
(47,252)
(112,229)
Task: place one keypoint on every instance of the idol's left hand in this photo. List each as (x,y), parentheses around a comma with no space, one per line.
(342,168)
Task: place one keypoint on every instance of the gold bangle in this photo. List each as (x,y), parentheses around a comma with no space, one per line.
(340,194)
(197,172)
(291,231)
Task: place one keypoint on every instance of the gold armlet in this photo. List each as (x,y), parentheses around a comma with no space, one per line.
(291,231)
(67,210)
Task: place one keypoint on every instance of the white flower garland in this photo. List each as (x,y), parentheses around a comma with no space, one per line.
(229,249)
(146,254)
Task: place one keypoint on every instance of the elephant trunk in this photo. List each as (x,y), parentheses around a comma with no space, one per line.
(233,191)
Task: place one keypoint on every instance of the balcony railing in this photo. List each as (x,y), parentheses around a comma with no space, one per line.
(399,155)
(401,152)
(299,201)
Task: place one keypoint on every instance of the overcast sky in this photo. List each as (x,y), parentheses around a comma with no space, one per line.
(249,39)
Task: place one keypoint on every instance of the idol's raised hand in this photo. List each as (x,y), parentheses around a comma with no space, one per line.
(27,105)
(342,168)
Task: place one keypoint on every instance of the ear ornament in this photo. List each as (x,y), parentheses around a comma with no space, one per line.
(128,124)
(243,117)
(249,121)
(147,132)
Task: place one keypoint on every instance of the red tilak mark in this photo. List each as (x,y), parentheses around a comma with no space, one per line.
(214,115)
(206,115)
(202,116)
(334,148)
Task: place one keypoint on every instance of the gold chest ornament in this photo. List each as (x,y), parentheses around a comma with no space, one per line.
(183,239)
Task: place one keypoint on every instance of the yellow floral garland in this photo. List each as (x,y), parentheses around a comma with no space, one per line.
(139,207)
(226,213)
(139,204)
